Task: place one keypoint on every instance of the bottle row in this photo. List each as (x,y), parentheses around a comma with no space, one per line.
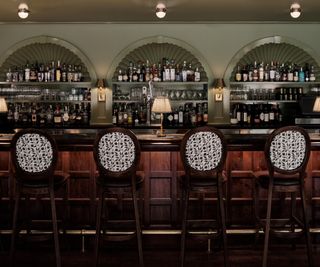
(279,93)
(50,72)
(40,115)
(133,114)
(256,114)
(284,72)
(44,94)
(165,71)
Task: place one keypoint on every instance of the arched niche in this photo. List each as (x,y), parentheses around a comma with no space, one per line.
(44,49)
(156,48)
(276,49)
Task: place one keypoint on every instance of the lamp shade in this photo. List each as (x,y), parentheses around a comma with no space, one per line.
(316,105)
(161,104)
(219,83)
(3,105)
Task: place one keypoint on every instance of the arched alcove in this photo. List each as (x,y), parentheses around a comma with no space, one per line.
(156,48)
(44,49)
(276,49)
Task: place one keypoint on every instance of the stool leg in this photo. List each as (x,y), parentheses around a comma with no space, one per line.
(14,225)
(256,199)
(138,226)
(185,197)
(306,225)
(98,227)
(55,226)
(223,223)
(267,231)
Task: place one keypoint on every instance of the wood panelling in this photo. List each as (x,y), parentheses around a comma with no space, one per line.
(161,191)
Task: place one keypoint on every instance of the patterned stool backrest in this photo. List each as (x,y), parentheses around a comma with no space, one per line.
(34,153)
(203,149)
(288,149)
(116,150)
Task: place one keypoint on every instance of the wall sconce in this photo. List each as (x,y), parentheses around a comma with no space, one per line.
(161,105)
(219,85)
(161,10)
(23,11)
(101,84)
(295,10)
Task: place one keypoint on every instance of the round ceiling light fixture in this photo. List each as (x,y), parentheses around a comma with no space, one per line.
(161,10)
(295,10)
(23,11)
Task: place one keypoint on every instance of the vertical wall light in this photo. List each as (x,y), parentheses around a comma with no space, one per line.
(23,11)
(161,10)
(295,10)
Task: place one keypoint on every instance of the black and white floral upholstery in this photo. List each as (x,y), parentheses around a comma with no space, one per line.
(34,152)
(204,151)
(287,150)
(116,151)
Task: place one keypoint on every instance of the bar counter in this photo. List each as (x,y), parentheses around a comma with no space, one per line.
(162,167)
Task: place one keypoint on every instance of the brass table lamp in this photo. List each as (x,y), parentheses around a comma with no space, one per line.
(161,105)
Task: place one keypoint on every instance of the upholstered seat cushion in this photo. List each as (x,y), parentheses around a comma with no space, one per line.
(197,181)
(118,182)
(58,180)
(279,179)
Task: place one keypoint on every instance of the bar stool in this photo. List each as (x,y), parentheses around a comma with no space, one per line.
(117,155)
(34,156)
(287,152)
(203,153)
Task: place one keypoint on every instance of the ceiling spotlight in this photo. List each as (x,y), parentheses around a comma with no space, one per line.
(23,11)
(295,10)
(161,10)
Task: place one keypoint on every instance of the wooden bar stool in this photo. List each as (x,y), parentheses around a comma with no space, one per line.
(203,153)
(34,156)
(287,152)
(117,155)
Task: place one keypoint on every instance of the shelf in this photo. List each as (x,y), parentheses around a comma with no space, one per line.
(263,101)
(84,84)
(171,100)
(276,83)
(46,101)
(160,83)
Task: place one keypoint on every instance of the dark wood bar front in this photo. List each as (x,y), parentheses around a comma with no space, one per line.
(162,167)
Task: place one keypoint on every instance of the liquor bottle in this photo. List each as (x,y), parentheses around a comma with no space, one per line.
(277,72)
(255,73)
(176,117)
(42,117)
(49,115)
(166,76)
(190,73)
(15,75)
(9,75)
(184,71)
(180,120)
(69,73)
(301,75)
(197,75)
(306,73)
(33,73)
(41,73)
(238,74)
(266,114)
(178,73)
(57,119)
(205,113)
(135,76)
(64,72)
(142,76)
(249,115)
(261,72)
(245,73)
(250,73)
(120,116)
(58,72)
(312,74)
(296,73)
(52,72)
(65,116)
(34,117)
(266,73)
(80,74)
(284,73)
(199,114)
(147,76)
(115,115)
(272,72)
(272,114)
(16,115)
(244,114)
(10,114)
(27,72)
(172,71)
